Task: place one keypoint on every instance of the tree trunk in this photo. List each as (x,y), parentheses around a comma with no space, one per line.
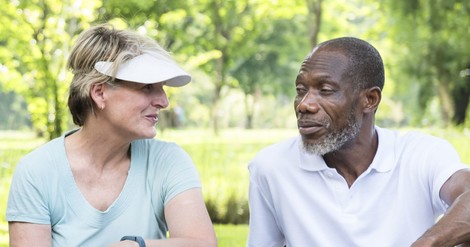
(249,110)
(314,20)
(461,98)
(445,99)
(219,82)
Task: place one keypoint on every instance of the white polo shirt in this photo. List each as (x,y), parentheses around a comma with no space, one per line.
(295,198)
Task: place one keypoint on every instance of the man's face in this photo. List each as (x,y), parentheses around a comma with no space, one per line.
(326,103)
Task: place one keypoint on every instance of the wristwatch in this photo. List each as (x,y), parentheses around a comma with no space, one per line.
(137,239)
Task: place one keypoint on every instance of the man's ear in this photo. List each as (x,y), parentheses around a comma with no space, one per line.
(97,94)
(372,97)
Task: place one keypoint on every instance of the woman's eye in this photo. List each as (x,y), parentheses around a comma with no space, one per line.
(147,87)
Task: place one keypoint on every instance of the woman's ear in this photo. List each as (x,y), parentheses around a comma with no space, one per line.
(97,94)
(372,99)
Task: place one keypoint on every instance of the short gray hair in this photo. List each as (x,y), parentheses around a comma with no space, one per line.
(365,67)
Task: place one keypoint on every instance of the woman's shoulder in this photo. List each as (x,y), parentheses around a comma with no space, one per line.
(155,145)
(159,150)
(45,152)
(42,162)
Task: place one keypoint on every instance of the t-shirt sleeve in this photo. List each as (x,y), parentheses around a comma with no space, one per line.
(27,201)
(178,172)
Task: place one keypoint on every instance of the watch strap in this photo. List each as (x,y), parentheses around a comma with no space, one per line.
(137,239)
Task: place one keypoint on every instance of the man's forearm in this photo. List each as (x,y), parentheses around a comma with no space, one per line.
(453,228)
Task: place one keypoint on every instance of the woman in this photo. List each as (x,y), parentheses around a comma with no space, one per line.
(109,182)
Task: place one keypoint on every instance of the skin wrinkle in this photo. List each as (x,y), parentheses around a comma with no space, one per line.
(316,73)
(335,139)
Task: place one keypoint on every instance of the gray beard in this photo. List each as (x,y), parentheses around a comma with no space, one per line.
(334,140)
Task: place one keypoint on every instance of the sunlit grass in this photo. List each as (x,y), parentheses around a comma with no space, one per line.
(231,235)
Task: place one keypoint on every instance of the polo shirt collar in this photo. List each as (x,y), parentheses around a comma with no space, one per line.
(384,160)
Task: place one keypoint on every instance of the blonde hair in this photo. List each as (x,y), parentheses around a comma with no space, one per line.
(101,43)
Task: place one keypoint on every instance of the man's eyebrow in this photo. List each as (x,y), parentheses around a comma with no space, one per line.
(320,79)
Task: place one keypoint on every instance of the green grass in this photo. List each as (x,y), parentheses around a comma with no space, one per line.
(231,235)
(222,162)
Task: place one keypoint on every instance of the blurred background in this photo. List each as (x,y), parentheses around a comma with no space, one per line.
(244,56)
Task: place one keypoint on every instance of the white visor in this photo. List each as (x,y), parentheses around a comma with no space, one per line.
(147,68)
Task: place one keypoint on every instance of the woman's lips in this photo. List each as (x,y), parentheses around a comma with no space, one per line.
(152,118)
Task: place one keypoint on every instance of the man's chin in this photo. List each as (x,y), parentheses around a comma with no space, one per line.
(309,141)
(318,147)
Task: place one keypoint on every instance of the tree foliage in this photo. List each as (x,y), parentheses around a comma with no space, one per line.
(251,48)
(239,44)
(433,36)
(36,36)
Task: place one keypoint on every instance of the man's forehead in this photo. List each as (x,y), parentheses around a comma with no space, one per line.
(324,59)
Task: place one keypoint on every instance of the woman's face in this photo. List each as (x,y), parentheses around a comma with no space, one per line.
(132,109)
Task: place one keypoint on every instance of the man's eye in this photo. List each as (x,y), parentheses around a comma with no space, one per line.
(300,89)
(327,90)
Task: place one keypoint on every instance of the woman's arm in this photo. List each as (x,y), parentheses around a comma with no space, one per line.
(29,234)
(188,222)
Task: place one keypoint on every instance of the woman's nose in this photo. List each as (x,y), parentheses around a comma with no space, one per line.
(159,98)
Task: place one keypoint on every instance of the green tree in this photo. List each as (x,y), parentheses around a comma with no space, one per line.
(35,56)
(433,38)
(271,61)
(212,32)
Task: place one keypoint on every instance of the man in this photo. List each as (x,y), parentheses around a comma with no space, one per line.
(345,181)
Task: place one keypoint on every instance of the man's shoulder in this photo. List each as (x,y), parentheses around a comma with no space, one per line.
(278,151)
(281,146)
(412,142)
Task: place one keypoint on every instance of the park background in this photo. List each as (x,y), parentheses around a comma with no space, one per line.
(244,56)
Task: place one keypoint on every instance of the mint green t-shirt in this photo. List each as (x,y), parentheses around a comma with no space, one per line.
(43,191)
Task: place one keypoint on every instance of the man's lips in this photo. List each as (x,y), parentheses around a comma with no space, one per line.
(309,127)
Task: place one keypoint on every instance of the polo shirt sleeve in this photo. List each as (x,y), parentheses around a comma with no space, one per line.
(434,160)
(443,161)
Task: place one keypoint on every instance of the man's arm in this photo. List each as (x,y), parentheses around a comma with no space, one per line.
(29,234)
(454,227)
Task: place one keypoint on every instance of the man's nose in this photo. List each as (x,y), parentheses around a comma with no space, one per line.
(309,103)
